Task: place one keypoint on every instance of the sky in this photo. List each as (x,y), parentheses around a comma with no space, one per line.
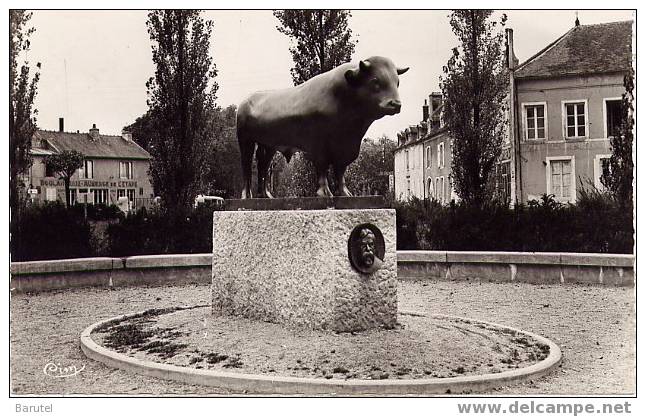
(95,64)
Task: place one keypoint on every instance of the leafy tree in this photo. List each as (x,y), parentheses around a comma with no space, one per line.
(618,174)
(22,91)
(180,101)
(222,174)
(296,178)
(474,86)
(141,130)
(322,39)
(65,164)
(368,174)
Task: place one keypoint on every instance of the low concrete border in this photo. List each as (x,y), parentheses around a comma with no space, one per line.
(110,272)
(533,267)
(264,384)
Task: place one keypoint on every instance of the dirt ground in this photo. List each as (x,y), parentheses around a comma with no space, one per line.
(417,348)
(594,326)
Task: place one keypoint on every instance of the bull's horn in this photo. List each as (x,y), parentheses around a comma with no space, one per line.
(364,65)
(400,71)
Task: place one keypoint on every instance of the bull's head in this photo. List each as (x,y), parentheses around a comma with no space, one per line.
(375,82)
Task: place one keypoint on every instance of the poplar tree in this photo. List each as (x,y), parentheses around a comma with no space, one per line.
(617,174)
(22,91)
(321,40)
(474,86)
(181,95)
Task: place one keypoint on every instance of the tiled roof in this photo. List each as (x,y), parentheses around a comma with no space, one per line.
(41,152)
(431,136)
(104,146)
(585,49)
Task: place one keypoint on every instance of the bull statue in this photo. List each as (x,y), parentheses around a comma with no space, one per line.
(325,117)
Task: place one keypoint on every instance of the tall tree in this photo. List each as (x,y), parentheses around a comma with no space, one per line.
(22,91)
(141,130)
(322,40)
(474,86)
(222,176)
(618,173)
(65,165)
(179,101)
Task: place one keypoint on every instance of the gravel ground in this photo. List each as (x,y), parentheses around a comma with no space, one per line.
(594,326)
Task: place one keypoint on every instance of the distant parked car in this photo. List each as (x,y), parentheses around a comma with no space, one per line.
(208,199)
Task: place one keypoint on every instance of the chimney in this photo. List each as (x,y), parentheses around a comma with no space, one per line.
(425,111)
(510,56)
(436,103)
(94,132)
(61,124)
(126,135)
(576,20)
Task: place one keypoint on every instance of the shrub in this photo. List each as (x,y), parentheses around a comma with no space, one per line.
(158,232)
(596,224)
(49,231)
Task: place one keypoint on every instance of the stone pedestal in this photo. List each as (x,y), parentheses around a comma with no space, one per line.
(293,267)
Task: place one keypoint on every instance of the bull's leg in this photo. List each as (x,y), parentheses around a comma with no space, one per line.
(264,155)
(246,159)
(321,175)
(339,176)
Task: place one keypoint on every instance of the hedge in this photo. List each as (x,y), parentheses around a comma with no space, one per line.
(596,224)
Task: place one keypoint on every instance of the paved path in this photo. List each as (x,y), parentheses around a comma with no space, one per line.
(593,325)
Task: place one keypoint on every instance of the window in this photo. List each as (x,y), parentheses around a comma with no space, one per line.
(560,178)
(125,170)
(442,190)
(100,196)
(600,161)
(87,170)
(429,187)
(535,124)
(503,181)
(407,187)
(50,194)
(121,193)
(439,189)
(575,119)
(440,155)
(428,157)
(72,197)
(49,172)
(407,161)
(613,116)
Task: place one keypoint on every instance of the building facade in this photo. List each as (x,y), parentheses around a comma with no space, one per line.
(114,167)
(566,104)
(423,157)
(409,164)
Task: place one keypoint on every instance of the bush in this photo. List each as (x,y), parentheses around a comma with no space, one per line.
(98,212)
(49,231)
(158,232)
(596,224)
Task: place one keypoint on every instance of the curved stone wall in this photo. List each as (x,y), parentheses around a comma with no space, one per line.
(539,268)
